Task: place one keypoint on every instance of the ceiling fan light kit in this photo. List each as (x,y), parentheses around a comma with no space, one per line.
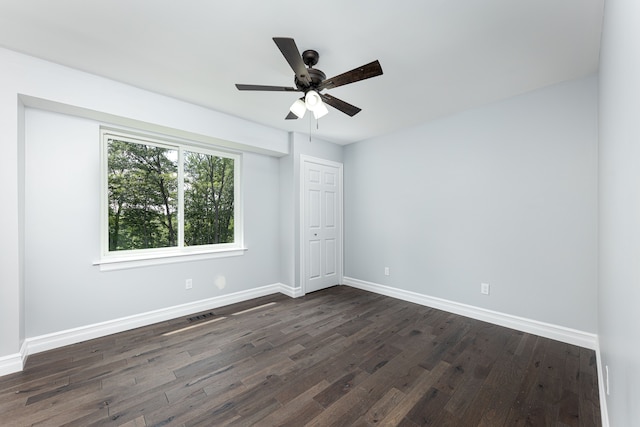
(320,110)
(298,108)
(312,100)
(312,82)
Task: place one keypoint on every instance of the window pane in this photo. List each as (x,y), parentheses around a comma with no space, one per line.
(143,183)
(208,199)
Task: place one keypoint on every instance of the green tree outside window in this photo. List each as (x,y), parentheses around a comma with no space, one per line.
(143,202)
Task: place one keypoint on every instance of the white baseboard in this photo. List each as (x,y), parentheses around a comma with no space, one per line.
(10,364)
(547,330)
(13,362)
(46,342)
(291,292)
(604,412)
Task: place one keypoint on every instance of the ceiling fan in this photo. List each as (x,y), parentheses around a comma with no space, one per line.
(312,82)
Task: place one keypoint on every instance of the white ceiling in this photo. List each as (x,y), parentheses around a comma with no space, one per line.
(438,56)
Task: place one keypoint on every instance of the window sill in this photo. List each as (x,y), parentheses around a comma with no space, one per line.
(124,262)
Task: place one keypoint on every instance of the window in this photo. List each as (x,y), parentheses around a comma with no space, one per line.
(166,198)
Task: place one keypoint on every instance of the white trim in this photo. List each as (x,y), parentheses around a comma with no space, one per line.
(71,336)
(116,260)
(13,362)
(319,161)
(304,158)
(290,291)
(547,330)
(604,412)
(121,263)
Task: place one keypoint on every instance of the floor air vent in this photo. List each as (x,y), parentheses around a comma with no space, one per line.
(200,317)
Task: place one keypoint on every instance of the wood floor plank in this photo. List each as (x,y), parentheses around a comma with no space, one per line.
(382,407)
(588,388)
(424,383)
(340,356)
(340,387)
(57,402)
(428,408)
(299,410)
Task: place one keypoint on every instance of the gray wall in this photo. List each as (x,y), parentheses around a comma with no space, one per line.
(504,194)
(63,290)
(619,281)
(29,81)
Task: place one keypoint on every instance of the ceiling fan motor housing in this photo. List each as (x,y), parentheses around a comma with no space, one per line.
(317,77)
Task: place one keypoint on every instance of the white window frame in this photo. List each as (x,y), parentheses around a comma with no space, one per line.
(115,260)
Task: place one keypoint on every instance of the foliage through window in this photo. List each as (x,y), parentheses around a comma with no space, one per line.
(168,195)
(208,199)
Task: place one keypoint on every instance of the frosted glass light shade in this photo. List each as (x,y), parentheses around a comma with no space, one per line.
(320,111)
(298,108)
(312,100)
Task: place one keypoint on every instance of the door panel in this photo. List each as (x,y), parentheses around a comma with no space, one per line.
(330,209)
(322,217)
(314,209)
(314,176)
(330,178)
(315,256)
(330,255)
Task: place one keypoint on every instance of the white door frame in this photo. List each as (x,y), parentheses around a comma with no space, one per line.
(303,218)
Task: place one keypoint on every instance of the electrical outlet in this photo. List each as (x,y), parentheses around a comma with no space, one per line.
(484,288)
(386,271)
(188,284)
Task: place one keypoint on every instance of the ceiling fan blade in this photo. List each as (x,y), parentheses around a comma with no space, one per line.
(291,53)
(267,88)
(339,104)
(363,72)
(291,116)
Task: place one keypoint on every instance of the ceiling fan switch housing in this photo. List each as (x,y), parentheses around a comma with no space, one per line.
(310,57)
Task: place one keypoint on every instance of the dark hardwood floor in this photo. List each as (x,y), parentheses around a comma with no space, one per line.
(341,356)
